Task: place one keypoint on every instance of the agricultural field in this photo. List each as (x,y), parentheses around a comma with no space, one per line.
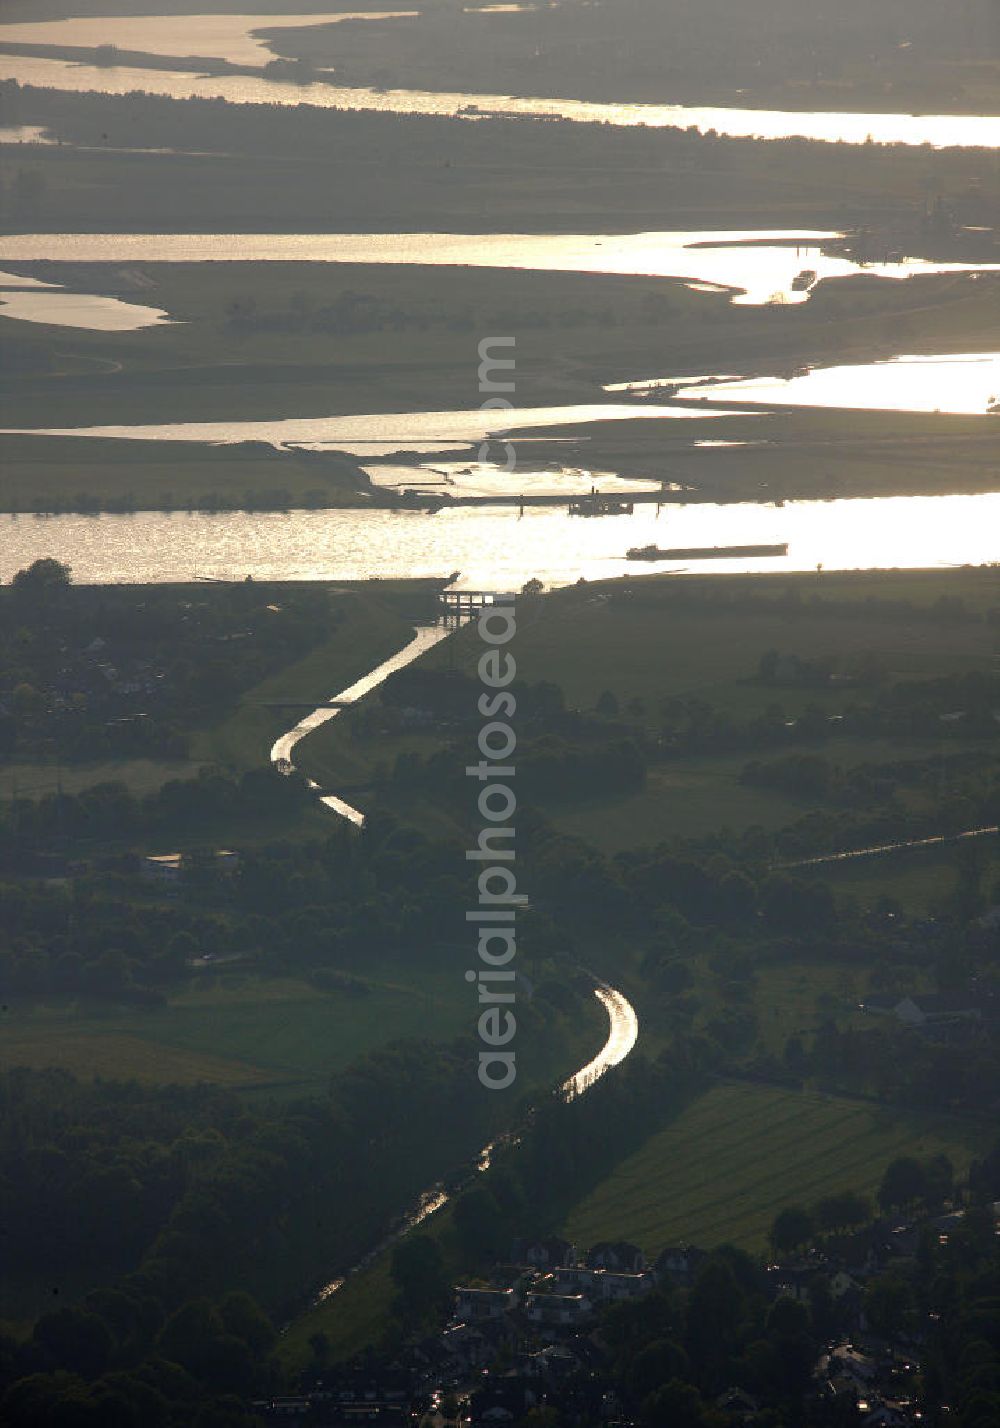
(236,1030)
(649,650)
(739,1154)
(251,1032)
(919,879)
(38,780)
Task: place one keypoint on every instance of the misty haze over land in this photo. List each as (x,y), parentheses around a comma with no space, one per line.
(499,713)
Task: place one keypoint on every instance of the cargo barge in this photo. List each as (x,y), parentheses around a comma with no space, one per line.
(705,552)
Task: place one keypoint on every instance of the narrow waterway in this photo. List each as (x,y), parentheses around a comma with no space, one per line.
(623,1024)
(283,748)
(907,845)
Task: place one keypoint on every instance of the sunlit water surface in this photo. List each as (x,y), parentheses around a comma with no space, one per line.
(938,130)
(760,265)
(382,433)
(234,38)
(963,383)
(496,548)
(86,310)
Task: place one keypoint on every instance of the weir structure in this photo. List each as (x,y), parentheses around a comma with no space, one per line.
(463,604)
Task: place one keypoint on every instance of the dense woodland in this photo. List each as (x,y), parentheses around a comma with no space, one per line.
(184,1210)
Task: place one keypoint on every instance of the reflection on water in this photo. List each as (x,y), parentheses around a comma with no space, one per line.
(486,478)
(97,314)
(623,1033)
(766,264)
(283,748)
(623,1024)
(227,37)
(32,300)
(24,134)
(384,432)
(939,130)
(966,383)
(496,549)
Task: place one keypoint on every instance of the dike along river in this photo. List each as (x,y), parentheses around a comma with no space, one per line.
(623,1024)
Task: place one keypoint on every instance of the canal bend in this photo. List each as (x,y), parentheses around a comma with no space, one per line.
(623,1024)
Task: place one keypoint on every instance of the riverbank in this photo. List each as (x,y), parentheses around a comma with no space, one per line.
(54,475)
(256,345)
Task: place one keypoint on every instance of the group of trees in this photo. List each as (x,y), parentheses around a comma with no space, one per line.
(789,601)
(189,1208)
(908,1184)
(98,673)
(893,1064)
(817,778)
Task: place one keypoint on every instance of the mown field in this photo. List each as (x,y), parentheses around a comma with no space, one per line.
(725,1167)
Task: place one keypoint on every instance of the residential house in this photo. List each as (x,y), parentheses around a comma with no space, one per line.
(887,1415)
(680,1264)
(574,1279)
(791,1281)
(282,1410)
(162,867)
(508,1400)
(924,1009)
(557,1309)
(617,1255)
(167,867)
(598,1284)
(615,1287)
(544,1254)
(472,1303)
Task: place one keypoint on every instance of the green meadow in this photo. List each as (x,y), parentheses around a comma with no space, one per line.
(237,1030)
(649,650)
(723,1169)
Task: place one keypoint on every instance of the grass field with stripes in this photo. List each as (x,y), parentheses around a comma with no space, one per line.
(729,1162)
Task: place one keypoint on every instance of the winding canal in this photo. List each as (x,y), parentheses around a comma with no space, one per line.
(623,1023)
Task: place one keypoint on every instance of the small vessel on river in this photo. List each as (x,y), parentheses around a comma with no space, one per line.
(594,504)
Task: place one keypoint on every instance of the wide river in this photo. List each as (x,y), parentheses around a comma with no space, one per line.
(242,39)
(495,549)
(757,265)
(938,130)
(961,382)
